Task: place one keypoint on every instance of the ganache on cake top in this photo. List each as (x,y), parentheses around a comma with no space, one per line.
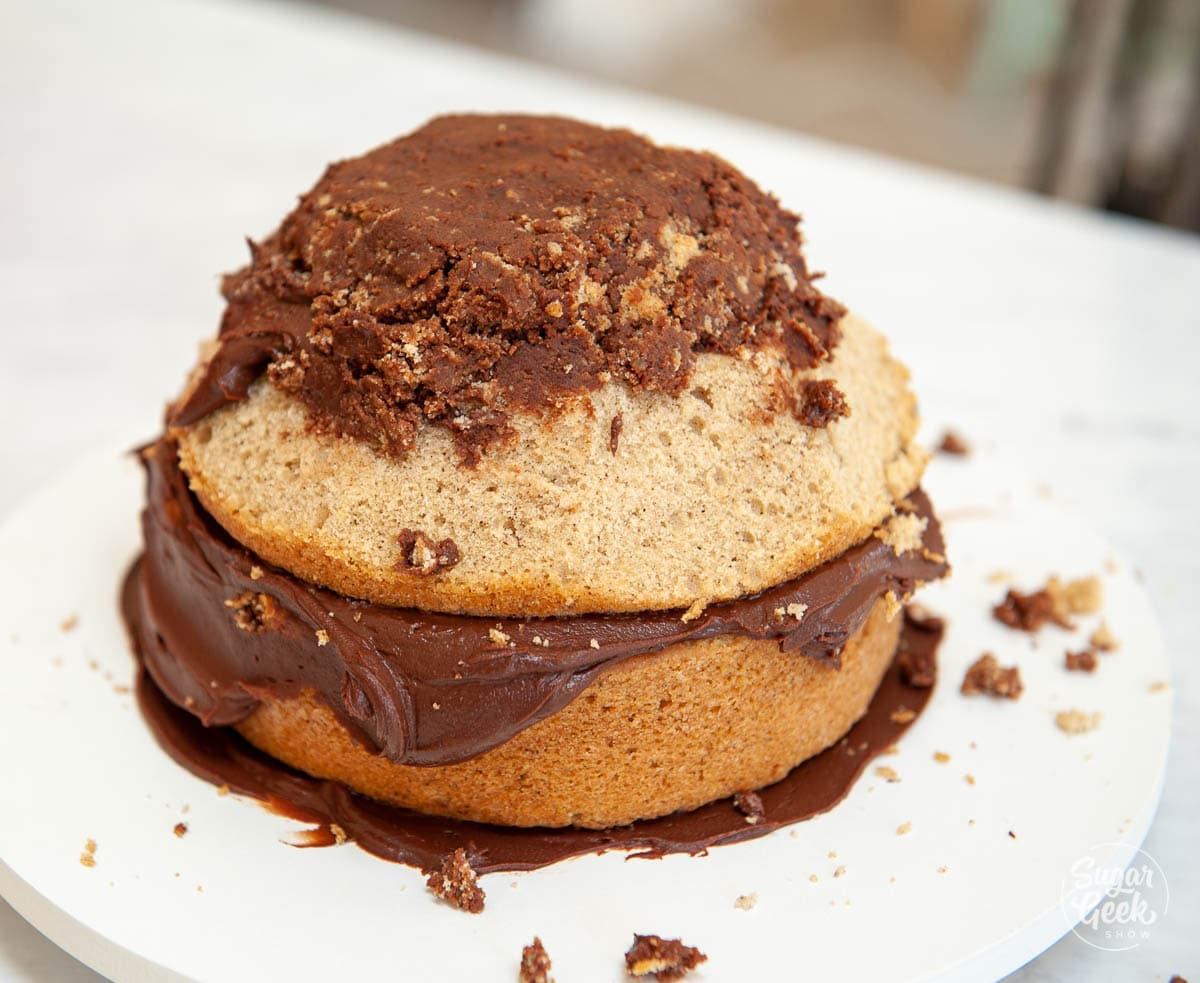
(486,265)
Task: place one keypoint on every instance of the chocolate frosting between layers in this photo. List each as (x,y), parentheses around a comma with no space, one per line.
(219,630)
(485,265)
(220,755)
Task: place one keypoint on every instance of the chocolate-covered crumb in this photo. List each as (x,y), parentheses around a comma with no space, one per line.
(420,554)
(1028,612)
(953,444)
(1084,661)
(180,830)
(1177,979)
(821,402)
(987,676)
(455,882)
(487,265)
(664,959)
(535,964)
(614,432)
(918,667)
(253,612)
(750,805)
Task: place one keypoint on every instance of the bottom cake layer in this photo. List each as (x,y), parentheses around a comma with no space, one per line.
(696,722)
(221,756)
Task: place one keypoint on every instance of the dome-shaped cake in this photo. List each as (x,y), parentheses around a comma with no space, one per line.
(530,479)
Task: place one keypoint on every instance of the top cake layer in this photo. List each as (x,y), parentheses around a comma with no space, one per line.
(517,366)
(486,265)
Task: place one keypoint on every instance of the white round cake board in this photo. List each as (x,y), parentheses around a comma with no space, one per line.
(971,891)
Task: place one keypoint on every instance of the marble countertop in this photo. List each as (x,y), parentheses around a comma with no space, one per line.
(142,139)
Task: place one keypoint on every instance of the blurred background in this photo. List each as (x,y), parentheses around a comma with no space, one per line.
(1095,101)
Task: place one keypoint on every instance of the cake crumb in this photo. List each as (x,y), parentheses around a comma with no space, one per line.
(1076,721)
(614,433)
(892,603)
(1157,686)
(904,829)
(421,555)
(1084,661)
(821,402)
(69,623)
(535,964)
(745,902)
(339,834)
(455,882)
(750,805)
(256,572)
(664,959)
(887,774)
(1000,577)
(942,869)
(694,612)
(952,443)
(88,857)
(1029,612)
(222,790)
(903,715)
(832,855)
(814,878)
(253,612)
(796,610)
(180,830)
(1084,595)
(1103,640)
(594,643)
(986,676)
(498,637)
(941,757)
(840,871)
(322,637)
(969,778)
(903,532)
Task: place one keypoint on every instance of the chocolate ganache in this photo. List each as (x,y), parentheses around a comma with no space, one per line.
(220,755)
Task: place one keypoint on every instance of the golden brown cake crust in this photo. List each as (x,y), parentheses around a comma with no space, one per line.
(660,733)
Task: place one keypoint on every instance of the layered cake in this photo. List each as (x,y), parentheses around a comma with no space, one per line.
(531,480)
